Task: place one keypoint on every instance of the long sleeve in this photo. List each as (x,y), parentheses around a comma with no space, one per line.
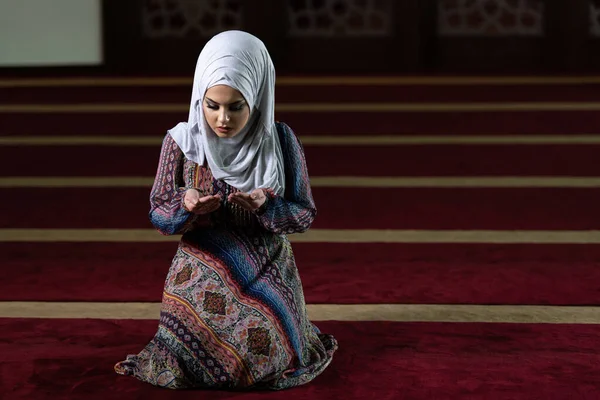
(295,211)
(167,213)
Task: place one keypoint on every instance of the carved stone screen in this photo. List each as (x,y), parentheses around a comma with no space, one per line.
(490,17)
(339,18)
(190,18)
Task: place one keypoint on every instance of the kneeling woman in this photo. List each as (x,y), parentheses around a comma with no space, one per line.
(234,183)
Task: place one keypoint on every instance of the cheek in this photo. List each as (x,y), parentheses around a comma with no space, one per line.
(209,115)
(243,117)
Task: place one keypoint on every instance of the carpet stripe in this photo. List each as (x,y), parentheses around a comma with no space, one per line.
(572,209)
(332,273)
(311,94)
(312,107)
(326,181)
(306,123)
(319,140)
(326,161)
(318,236)
(327,312)
(313,81)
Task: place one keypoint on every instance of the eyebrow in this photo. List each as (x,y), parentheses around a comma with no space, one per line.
(230,104)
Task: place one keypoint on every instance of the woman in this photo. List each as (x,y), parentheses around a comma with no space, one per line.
(234,183)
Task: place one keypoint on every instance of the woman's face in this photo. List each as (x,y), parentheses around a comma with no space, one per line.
(225,110)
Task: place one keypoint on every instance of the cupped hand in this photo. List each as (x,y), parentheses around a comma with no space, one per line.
(249,201)
(201,205)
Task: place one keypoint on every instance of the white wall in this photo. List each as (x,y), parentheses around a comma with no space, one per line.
(50,32)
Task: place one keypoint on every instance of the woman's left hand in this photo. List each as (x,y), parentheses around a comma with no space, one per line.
(250,201)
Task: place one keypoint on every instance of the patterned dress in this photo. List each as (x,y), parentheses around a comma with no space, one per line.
(233,313)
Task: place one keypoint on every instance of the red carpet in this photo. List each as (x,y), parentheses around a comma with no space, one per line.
(381,273)
(417,160)
(310,93)
(68,359)
(319,123)
(394,208)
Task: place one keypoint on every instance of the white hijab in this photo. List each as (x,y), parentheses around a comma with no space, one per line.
(252,159)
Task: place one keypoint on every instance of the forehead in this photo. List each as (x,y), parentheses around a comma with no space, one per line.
(224,93)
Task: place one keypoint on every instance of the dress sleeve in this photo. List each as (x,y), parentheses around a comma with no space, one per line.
(295,211)
(167,213)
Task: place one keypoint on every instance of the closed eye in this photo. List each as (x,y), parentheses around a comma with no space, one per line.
(235,106)
(239,107)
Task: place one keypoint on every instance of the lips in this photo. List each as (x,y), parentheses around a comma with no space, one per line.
(223,129)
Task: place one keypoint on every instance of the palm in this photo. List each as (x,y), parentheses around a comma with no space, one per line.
(250,201)
(201,205)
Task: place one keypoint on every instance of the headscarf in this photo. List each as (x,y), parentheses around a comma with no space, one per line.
(253,158)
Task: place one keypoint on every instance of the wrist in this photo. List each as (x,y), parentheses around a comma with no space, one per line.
(184,197)
(261,210)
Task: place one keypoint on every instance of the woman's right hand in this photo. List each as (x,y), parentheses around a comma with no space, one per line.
(200,205)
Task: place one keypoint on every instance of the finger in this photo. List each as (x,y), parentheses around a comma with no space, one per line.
(189,203)
(237,200)
(206,209)
(208,203)
(258,198)
(204,206)
(206,199)
(246,204)
(242,195)
(257,194)
(203,210)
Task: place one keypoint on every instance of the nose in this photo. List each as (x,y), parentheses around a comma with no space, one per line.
(223,116)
